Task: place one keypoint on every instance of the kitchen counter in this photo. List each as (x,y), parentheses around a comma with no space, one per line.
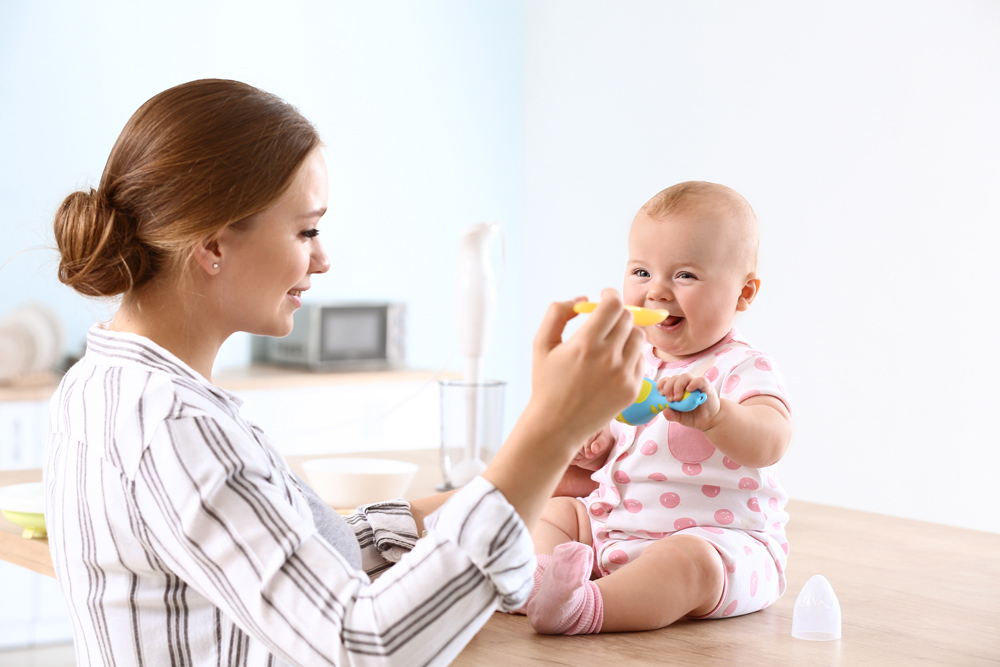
(910,593)
(256,376)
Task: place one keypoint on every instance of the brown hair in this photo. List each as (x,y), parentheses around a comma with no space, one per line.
(192,160)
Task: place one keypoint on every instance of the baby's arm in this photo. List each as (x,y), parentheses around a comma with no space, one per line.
(754,433)
(594,454)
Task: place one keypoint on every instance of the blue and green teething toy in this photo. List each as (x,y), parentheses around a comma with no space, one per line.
(651,403)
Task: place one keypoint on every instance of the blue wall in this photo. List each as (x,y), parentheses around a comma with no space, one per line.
(420,105)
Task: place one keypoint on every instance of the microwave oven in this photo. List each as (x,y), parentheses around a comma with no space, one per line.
(339,336)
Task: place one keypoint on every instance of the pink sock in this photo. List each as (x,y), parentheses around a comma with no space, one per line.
(541,562)
(568,602)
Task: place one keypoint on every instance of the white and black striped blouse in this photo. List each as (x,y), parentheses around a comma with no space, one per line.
(180,536)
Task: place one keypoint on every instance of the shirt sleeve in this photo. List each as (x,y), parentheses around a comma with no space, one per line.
(223,519)
(755,375)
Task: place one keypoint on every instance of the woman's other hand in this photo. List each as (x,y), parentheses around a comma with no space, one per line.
(577,387)
(595,452)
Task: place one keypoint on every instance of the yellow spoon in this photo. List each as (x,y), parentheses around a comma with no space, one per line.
(643,317)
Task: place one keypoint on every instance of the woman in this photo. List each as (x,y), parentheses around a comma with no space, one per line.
(177,530)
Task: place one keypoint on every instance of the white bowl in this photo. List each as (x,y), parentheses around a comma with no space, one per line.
(348,482)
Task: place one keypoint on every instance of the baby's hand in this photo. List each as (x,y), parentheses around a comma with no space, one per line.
(673,388)
(594,454)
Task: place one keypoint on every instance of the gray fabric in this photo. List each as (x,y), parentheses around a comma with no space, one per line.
(332,527)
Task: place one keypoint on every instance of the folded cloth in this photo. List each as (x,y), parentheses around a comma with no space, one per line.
(384,531)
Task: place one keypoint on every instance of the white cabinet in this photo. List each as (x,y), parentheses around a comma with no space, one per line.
(33,609)
(23,425)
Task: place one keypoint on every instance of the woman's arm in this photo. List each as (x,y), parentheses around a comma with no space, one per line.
(230,529)
(224,521)
(424,507)
(570,389)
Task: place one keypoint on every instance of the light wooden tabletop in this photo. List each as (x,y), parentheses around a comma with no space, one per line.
(910,593)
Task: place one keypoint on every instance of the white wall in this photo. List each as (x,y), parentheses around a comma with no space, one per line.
(866,136)
(420,104)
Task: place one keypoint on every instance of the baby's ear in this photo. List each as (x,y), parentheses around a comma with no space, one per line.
(749,292)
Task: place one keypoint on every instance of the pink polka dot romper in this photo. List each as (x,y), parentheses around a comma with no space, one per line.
(664,478)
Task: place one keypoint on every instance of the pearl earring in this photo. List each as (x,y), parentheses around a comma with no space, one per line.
(215,266)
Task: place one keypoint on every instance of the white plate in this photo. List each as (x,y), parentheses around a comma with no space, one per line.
(44,327)
(28,498)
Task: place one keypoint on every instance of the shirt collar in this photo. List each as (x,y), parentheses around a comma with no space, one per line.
(128,350)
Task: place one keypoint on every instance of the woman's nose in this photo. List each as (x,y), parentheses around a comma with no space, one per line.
(318,261)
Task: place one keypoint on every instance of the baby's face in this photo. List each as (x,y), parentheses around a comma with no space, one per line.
(688,264)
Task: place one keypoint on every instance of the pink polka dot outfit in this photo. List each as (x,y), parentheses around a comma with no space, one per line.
(665,479)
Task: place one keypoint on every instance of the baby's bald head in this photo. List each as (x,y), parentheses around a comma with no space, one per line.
(732,213)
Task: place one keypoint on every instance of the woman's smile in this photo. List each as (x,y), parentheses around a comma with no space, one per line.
(296,296)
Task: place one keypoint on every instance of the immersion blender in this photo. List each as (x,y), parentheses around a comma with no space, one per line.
(475,312)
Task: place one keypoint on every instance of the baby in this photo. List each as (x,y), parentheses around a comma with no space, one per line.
(688,519)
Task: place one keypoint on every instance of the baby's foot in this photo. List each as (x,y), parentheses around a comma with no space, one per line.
(567,602)
(541,562)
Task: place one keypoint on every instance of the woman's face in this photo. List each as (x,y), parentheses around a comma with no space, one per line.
(267,264)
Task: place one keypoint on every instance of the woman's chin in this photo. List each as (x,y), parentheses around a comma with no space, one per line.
(277,329)
(283,330)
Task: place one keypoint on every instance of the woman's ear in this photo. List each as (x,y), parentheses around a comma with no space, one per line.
(208,256)
(749,292)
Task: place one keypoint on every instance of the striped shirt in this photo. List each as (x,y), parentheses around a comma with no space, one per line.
(180,536)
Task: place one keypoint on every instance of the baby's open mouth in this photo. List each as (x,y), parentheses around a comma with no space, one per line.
(671,321)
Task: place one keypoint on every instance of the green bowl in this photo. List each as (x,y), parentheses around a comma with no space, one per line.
(33,524)
(24,505)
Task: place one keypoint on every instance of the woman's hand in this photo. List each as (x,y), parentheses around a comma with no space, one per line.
(577,387)
(594,454)
(575,483)
(593,375)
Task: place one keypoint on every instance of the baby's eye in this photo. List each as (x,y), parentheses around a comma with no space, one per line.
(311,233)
(684,275)
(642,273)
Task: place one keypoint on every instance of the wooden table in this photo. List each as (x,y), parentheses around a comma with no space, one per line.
(910,593)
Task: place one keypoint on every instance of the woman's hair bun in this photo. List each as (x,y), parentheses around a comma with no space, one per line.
(100,254)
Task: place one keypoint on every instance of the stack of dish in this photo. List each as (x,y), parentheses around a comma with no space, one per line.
(31,341)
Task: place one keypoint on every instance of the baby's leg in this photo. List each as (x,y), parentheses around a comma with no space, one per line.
(567,602)
(563,520)
(674,577)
